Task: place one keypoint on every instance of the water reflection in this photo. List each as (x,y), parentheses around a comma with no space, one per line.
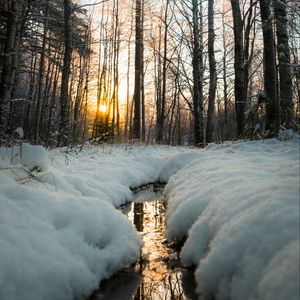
(138,216)
(119,287)
(162,276)
(158,275)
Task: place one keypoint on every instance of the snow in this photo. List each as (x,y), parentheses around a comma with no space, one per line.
(60,233)
(34,157)
(237,205)
(31,157)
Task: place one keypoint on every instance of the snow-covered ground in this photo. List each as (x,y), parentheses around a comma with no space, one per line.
(238,206)
(60,233)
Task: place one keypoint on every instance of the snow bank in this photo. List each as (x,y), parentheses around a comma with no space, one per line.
(31,157)
(34,157)
(173,165)
(59,248)
(60,233)
(238,205)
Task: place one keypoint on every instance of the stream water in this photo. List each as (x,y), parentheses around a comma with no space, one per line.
(158,275)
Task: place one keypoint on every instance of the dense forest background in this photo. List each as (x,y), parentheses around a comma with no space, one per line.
(178,72)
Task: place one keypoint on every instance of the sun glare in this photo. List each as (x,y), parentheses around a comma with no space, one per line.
(103,108)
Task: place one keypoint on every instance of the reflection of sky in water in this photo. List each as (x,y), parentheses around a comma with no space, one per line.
(158,275)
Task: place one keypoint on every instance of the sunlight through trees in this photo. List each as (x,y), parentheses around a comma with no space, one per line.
(163,71)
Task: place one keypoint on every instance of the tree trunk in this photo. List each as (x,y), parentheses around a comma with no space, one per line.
(270,83)
(224,65)
(247,52)
(239,82)
(143,103)
(128,79)
(212,73)
(51,107)
(39,100)
(8,72)
(283,49)
(138,70)
(66,71)
(158,89)
(197,78)
(161,119)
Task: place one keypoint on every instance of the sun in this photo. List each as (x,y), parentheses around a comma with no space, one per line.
(103,108)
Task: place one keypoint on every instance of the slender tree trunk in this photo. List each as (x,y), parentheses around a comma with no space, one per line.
(197,78)
(173,106)
(109,90)
(78,99)
(247,56)
(128,80)
(101,75)
(270,74)
(127,116)
(224,60)
(50,78)
(24,11)
(161,119)
(51,107)
(179,122)
(212,73)
(283,49)
(64,94)
(143,104)
(116,50)
(48,82)
(239,82)
(39,100)
(158,89)
(8,71)
(138,70)
(26,125)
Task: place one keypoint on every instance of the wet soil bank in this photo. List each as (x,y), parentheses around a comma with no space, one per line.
(158,275)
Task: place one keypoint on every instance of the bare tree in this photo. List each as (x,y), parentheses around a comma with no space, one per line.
(161,116)
(197,78)
(283,49)
(11,48)
(239,82)
(212,73)
(64,91)
(270,75)
(138,69)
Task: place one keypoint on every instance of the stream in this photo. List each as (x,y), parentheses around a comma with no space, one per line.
(158,275)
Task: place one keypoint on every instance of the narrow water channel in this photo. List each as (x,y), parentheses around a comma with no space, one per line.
(158,275)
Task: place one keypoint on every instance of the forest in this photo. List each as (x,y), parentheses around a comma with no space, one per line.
(176,72)
(149,149)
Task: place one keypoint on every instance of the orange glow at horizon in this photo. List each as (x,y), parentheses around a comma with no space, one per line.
(103,108)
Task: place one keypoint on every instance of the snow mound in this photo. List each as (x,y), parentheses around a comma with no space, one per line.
(238,206)
(274,284)
(176,163)
(60,248)
(60,233)
(34,157)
